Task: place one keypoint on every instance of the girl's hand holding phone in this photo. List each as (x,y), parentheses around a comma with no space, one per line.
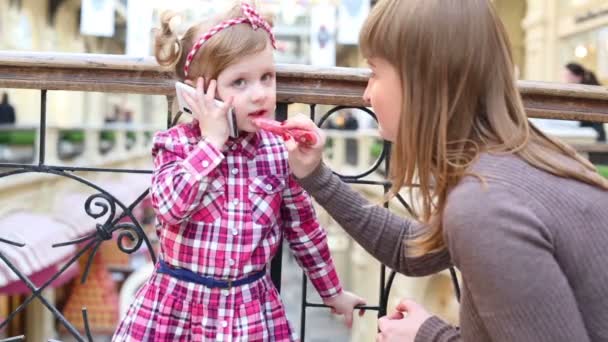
(212,119)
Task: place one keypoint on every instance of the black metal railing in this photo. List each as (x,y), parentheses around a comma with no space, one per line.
(341,88)
(101,204)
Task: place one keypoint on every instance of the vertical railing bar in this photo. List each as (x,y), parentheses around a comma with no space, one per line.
(455,283)
(382,304)
(276,265)
(383,282)
(281,112)
(387,157)
(387,291)
(304,303)
(170,100)
(303,309)
(42,128)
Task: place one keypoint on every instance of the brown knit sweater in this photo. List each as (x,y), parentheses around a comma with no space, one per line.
(532,249)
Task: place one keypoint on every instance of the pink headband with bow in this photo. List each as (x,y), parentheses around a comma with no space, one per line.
(251,17)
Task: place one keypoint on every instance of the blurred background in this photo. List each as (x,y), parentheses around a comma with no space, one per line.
(546,36)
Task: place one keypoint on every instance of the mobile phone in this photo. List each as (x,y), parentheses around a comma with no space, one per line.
(184,107)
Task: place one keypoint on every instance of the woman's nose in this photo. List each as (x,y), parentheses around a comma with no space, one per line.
(366,96)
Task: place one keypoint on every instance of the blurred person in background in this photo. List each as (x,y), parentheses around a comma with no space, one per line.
(7,111)
(576,73)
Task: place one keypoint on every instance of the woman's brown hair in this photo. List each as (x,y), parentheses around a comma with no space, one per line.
(459,99)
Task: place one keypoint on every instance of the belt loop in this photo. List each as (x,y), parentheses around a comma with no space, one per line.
(229,285)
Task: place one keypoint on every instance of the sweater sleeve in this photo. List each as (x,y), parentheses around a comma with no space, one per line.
(506,256)
(436,330)
(382,233)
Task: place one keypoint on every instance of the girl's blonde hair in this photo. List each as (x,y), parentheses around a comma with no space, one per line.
(216,54)
(459,99)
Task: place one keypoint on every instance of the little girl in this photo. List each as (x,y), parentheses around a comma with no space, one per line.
(224,204)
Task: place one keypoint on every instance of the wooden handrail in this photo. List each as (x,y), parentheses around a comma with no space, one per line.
(295,83)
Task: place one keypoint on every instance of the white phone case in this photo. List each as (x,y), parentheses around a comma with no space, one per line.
(184,107)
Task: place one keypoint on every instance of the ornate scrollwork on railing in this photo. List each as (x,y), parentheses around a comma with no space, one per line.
(88,207)
(100,205)
(132,233)
(383,153)
(129,230)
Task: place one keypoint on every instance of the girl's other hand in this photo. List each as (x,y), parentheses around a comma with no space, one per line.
(304,159)
(212,119)
(344,304)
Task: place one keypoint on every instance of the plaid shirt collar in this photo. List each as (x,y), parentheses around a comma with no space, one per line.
(247,143)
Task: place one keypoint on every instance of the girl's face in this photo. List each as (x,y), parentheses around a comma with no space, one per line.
(251,82)
(385,94)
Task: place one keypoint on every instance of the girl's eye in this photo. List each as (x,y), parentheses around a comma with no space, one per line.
(239,83)
(267,77)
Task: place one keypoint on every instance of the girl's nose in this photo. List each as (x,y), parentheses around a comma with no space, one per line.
(258,94)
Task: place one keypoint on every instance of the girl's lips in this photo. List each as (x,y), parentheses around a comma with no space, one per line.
(258,113)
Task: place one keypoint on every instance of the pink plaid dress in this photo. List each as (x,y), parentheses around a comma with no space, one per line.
(222,214)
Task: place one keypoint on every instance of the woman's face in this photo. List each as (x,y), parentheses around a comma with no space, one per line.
(385,94)
(570,77)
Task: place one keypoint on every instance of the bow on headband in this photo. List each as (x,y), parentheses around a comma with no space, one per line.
(251,16)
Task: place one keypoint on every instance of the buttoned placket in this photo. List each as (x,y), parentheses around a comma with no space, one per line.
(233,164)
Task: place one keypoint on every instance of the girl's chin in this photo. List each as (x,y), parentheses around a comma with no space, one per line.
(249,127)
(248,130)
(247,124)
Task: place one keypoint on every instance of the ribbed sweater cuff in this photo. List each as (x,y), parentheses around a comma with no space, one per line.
(436,330)
(317,179)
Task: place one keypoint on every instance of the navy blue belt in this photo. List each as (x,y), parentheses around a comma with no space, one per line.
(189,276)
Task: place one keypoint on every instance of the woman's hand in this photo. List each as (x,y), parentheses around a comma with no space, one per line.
(304,159)
(402,325)
(212,119)
(344,304)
